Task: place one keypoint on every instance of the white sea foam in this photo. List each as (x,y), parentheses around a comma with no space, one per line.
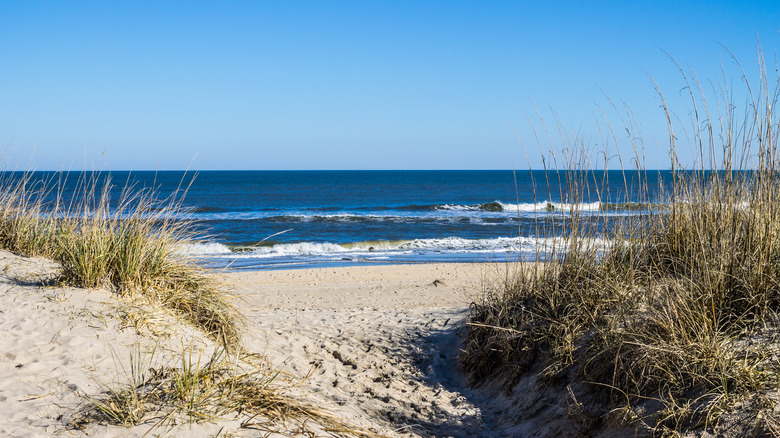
(204,249)
(442,212)
(457,207)
(460,244)
(312,249)
(302,248)
(547,206)
(449,248)
(384,249)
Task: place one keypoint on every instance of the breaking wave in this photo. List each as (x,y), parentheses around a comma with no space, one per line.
(378,247)
(420,212)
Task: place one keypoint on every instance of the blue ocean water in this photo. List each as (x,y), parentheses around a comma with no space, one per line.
(283,219)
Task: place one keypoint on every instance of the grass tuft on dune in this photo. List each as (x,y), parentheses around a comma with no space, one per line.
(676,319)
(134,244)
(133,247)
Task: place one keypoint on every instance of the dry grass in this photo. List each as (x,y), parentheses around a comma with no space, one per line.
(675,320)
(132,247)
(205,387)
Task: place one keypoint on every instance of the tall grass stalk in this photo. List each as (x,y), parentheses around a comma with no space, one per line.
(675,318)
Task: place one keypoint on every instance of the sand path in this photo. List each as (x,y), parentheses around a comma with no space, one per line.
(380,342)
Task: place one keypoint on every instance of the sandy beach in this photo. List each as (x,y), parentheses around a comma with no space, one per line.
(375,346)
(379,341)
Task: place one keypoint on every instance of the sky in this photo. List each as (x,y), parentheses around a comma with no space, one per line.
(356,85)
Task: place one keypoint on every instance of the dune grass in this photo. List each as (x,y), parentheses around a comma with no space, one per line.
(133,247)
(203,387)
(133,244)
(675,319)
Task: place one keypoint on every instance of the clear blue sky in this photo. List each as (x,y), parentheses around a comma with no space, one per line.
(344,85)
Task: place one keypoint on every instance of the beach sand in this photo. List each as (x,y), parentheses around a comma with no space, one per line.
(376,346)
(380,341)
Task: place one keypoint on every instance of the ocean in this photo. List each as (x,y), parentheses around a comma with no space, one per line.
(294,219)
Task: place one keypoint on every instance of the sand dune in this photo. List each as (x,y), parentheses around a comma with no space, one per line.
(375,346)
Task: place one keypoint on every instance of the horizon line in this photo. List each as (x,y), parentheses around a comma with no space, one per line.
(341,170)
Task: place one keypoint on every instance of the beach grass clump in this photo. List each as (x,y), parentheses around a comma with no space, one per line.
(135,245)
(132,244)
(675,319)
(205,387)
(23,227)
